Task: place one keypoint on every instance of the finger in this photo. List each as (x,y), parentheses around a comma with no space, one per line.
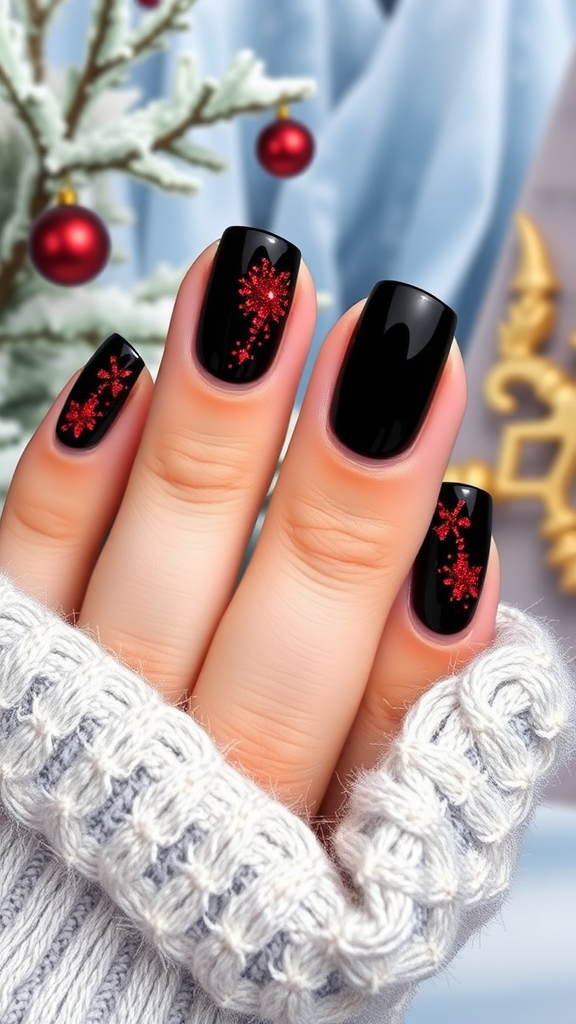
(411,656)
(71,477)
(221,408)
(286,671)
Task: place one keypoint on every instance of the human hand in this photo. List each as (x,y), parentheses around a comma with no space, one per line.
(303,671)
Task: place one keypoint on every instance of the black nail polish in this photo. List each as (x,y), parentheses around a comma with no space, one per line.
(246,304)
(99,393)
(450,567)
(391,369)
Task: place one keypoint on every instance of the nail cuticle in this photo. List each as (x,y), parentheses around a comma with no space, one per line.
(230,390)
(431,637)
(374,467)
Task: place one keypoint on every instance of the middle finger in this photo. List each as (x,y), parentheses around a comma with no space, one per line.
(287,668)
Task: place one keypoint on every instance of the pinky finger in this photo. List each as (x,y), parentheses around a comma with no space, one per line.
(444,614)
(71,477)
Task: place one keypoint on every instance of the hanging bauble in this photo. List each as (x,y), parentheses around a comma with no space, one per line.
(68,244)
(149,3)
(285,147)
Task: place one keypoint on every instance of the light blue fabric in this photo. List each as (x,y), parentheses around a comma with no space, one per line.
(425,123)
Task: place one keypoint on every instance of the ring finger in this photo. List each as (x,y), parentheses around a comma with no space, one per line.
(288,665)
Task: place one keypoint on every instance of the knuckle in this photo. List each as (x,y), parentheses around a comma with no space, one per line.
(273,752)
(382,713)
(45,522)
(152,656)
(200,471)
(335,546)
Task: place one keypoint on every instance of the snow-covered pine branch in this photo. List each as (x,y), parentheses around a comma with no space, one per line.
(133,142)
(36,14)
(131,136)
(35,105)
(169,16)
(197,156)
(114,47)
(48,7)
(245,88)
(107,35)
(14,217)
(97,311)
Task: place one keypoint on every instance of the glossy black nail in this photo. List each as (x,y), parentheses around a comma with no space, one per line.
(246,304)
(391,369)
(451,565)
(99,393)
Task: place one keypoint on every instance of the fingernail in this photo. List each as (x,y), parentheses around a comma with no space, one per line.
(99,393)
(246,304)
(450,567)
(391,369)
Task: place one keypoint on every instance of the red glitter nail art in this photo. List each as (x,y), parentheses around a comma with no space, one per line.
(451,565)
(452,521)
(81,417)
(113,378)
(266,296)
(99,393)
(462,577)
(84,416)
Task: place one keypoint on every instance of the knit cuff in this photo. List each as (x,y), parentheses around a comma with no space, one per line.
(132,793)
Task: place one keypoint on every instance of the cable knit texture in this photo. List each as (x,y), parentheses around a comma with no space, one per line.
(143,879)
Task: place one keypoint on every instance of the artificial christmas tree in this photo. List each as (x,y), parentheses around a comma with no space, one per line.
(72,131)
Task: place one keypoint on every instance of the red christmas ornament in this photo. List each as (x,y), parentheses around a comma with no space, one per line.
(68,244)
(149,3)
(285,147)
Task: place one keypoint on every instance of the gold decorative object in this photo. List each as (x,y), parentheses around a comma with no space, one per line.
(531,320)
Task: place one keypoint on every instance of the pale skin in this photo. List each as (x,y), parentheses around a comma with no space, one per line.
(303,673)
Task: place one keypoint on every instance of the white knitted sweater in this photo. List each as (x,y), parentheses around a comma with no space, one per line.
(143,879)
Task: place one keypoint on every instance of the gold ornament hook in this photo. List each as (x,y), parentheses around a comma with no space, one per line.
(66,196)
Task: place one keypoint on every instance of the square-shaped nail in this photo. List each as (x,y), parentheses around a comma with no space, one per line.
(246,305)
(99,393)
(450,567)
(391,369)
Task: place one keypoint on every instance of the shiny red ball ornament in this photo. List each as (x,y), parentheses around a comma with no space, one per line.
(285,147)
(149,3)
(68,244)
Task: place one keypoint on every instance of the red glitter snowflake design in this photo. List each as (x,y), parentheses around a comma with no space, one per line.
(452,521)
(113,378)
(81,417)
(462,577)
(266,298)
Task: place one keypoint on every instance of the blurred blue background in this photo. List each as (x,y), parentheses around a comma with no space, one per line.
(521,969)
(426,118)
